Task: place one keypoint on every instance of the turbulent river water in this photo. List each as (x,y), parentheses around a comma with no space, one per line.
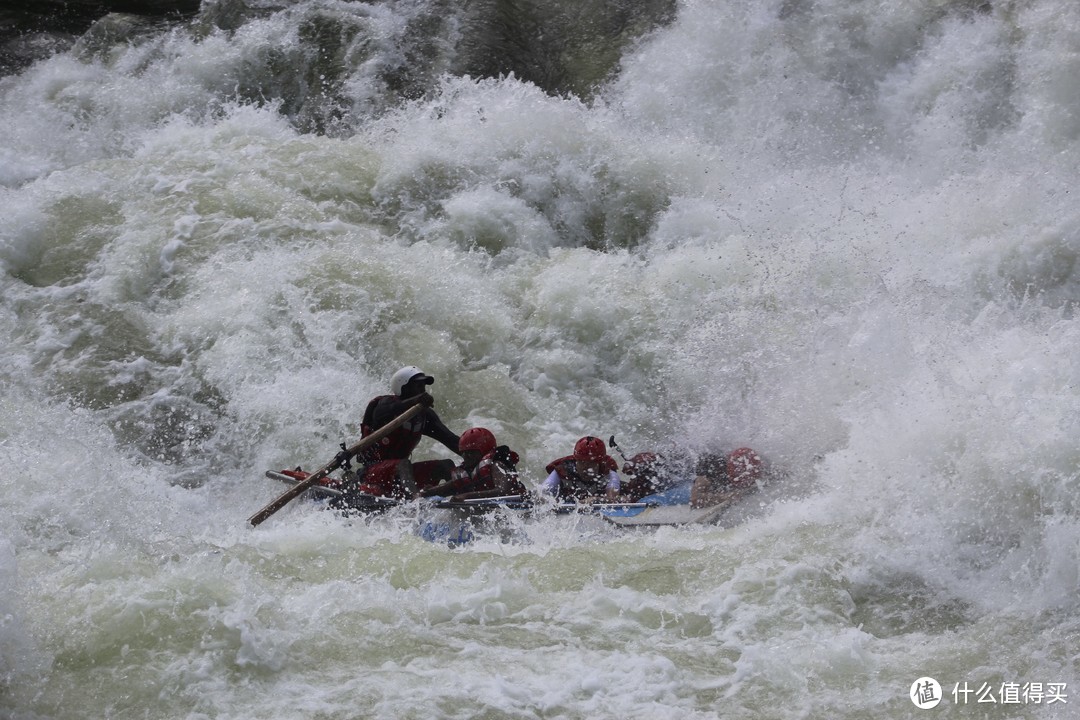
(843,233)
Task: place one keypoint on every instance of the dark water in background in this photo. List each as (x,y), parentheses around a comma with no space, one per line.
(842,233)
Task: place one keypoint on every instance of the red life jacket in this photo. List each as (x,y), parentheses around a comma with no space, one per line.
(399,444)
(481,477)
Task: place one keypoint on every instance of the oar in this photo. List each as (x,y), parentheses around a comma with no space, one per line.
(496,499)
(507,501)
(562,508)
(290,481)
(334,464)
(611,444)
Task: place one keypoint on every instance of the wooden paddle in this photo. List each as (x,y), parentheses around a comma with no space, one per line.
(333,465)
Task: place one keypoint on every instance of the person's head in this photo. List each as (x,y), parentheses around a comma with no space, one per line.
(474,444)
(712,466)
(410,381)
(744,467)
(590,455)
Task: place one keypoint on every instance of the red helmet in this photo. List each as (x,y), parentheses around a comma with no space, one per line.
(477,438)
(743,467)
(590,448)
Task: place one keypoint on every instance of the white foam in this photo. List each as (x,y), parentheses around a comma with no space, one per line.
(842,235)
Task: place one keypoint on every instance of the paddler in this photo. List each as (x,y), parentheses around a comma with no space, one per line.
(589,475)
(646,473)
(386,469)
(725,478)
(487,469)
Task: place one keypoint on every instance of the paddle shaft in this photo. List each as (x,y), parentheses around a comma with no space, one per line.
(611,443)
(597,507)
(322,472)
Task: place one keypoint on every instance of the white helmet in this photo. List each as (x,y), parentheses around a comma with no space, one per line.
(402,377)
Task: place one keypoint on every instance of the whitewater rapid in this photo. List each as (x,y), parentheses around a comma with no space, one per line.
(841,233)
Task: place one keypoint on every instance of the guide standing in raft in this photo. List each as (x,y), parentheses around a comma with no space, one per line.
(387,470)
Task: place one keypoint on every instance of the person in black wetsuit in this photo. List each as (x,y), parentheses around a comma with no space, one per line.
(387,470)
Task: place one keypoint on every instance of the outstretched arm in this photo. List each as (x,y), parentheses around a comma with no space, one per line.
(435,429)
